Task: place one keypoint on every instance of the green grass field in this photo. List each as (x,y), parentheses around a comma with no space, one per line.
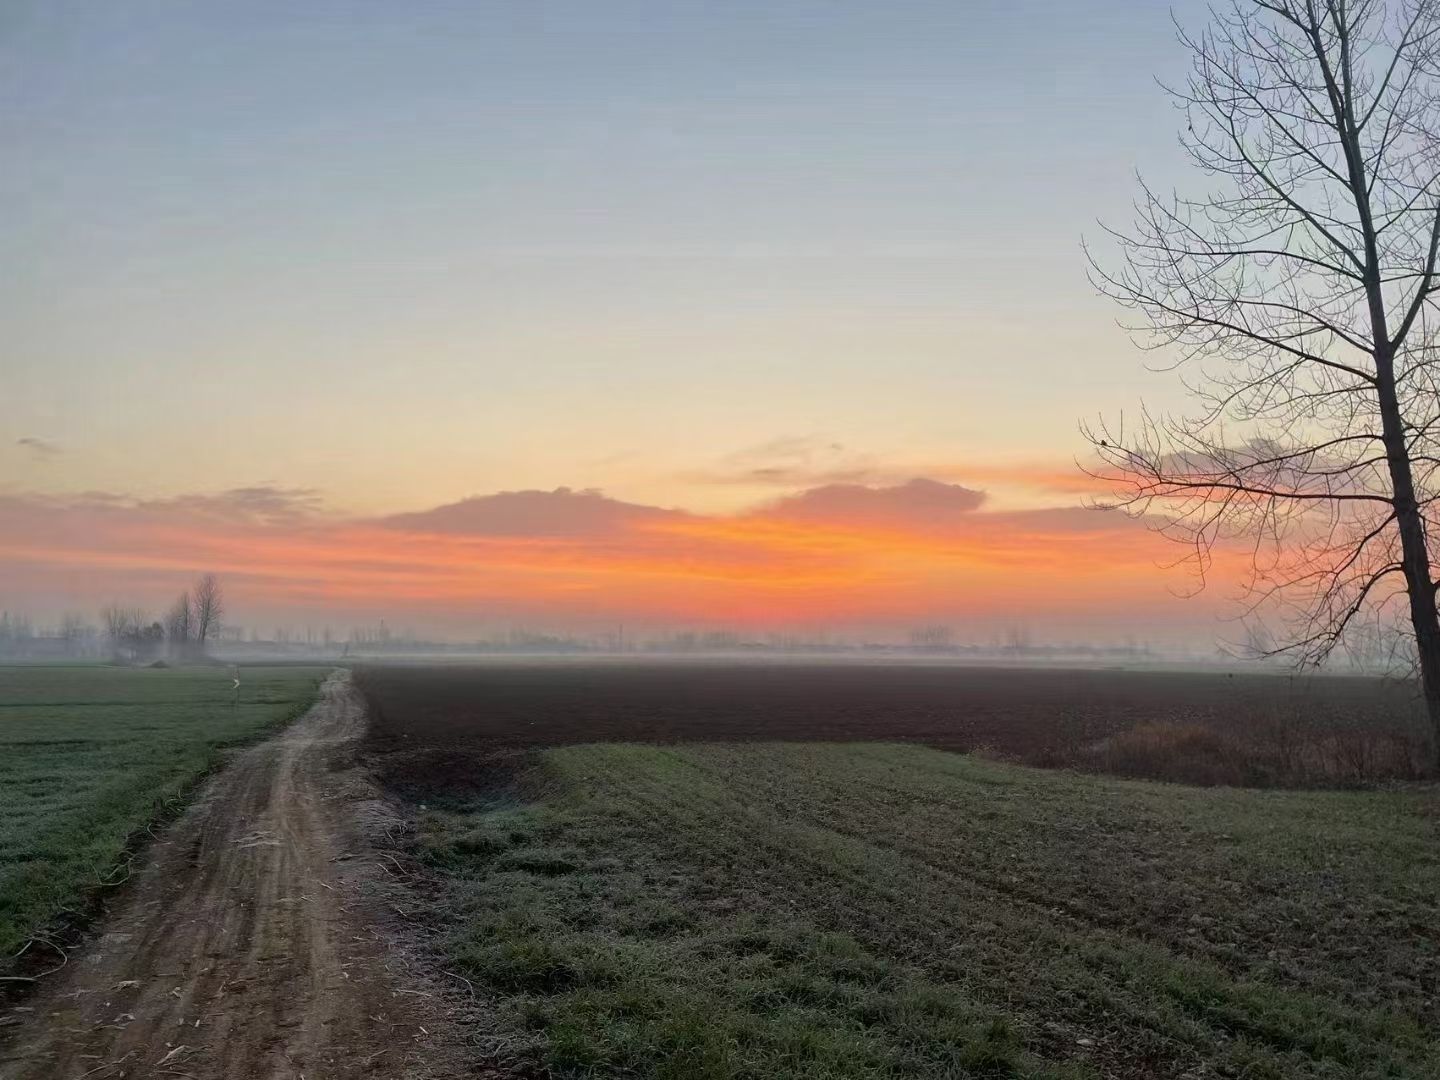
(846,910)
(90,755)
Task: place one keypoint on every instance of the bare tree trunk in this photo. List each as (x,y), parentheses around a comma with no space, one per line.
(1414,551)
(1409,522)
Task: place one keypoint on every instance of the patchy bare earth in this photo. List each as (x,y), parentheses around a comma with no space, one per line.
(254,940)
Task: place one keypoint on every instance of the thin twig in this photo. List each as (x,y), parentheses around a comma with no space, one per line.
(108,1065)
(110,884)
(468,985)
(64,959)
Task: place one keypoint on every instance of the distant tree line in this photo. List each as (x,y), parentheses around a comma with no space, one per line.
(71,638)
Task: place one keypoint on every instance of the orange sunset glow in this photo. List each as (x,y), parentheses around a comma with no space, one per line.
(850,557)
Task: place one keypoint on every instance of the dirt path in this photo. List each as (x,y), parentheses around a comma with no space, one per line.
(248,944)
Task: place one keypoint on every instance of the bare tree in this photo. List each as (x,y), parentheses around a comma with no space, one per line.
(73,631)
(122,626)
(117,619)
(178,625)
(1298,297)
(935,636)
(207,608)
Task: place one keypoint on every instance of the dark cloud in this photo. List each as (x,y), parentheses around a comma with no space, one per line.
(917,503)
(563,512)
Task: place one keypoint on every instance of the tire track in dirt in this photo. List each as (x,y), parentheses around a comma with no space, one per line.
(249,943)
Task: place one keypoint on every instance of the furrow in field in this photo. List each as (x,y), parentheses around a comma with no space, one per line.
(848,875)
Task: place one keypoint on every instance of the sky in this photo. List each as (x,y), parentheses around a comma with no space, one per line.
(700,313)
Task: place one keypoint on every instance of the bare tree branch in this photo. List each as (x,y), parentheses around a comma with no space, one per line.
(1298,298)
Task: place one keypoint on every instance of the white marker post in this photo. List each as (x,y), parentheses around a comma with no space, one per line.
(235,675)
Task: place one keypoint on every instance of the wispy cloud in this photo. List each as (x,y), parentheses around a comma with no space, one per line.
(264,504)
(1040,477)
(38,448)
(792,461)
